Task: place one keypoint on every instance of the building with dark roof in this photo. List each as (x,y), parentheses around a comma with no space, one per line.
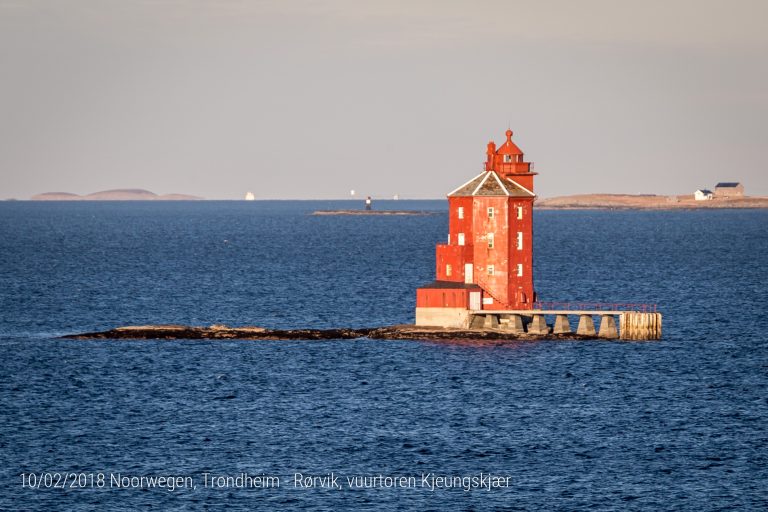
(729,189)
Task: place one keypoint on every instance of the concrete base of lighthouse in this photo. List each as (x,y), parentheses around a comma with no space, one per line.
(442,317)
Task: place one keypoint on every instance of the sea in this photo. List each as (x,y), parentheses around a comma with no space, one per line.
(677,424)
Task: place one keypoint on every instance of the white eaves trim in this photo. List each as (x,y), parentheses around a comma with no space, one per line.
(522,187)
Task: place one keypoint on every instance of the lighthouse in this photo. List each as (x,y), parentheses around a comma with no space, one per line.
(487,262)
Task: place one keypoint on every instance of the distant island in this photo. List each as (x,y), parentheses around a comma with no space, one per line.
(646,202)
(374,212)
(122,194)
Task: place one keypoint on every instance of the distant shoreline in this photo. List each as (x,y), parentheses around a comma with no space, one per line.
(129,194)
(646,202)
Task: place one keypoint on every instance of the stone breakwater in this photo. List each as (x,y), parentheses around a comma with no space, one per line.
(395,332)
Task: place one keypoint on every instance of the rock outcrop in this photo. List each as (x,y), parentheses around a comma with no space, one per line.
(394,332)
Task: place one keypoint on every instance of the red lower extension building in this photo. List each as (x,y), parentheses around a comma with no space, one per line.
(487,263)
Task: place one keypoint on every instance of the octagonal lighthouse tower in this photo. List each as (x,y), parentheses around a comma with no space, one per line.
(487,263)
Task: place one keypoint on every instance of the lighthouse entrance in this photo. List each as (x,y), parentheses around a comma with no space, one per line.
(474,301)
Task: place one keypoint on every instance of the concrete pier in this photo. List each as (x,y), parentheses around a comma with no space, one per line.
(562,325)
(633,325)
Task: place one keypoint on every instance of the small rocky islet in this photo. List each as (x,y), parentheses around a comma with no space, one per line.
(394,332)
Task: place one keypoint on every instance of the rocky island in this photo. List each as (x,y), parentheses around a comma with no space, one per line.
(395,332)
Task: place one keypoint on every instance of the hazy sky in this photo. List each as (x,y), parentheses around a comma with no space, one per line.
(309,99)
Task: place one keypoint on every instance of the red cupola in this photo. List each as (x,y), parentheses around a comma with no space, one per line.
(509,161)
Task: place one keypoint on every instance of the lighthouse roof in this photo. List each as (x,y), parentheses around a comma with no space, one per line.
(509,147)
(489,183)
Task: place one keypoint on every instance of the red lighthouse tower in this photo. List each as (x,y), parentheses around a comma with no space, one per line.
(488,260)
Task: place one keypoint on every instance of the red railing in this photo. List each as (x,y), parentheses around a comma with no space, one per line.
(595,306)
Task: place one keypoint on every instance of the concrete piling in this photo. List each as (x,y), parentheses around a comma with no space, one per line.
(633,325)
(514,324)
(586,326)
(538,325)
(608,327)
(491,322)
(562,325)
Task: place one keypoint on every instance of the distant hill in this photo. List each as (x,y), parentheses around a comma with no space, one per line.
(121,194)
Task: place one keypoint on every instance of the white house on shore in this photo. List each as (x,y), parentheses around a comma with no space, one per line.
(702,195)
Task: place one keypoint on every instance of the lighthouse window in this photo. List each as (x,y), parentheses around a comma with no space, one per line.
(490,240)
(461,212)
(519,240)
(448,270)
(490,212)
(519,270)
(491,270)
(461,238)
(519,212)
(507,158)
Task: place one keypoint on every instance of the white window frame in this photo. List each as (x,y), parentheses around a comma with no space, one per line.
(519,240)
(490,240)
(460,212)
(491,270)
(519,270)
(507,159)
(448,270)
(491,212)
(519,213)
(460,241)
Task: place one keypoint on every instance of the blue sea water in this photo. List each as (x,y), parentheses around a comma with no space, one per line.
(679,424)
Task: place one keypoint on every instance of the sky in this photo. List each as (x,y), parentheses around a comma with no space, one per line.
(303,99)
